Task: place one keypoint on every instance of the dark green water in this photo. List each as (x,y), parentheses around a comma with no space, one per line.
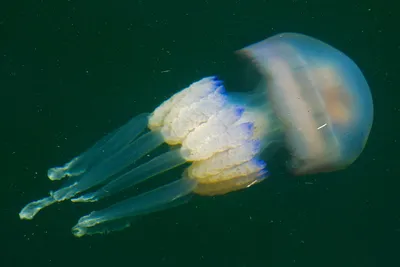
(72,70)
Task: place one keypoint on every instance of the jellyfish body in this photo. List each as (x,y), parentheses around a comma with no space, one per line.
(310,95)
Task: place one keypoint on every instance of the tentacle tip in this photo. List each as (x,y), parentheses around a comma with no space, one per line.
(78,231)
(56,173)
(29,211)
(25,216)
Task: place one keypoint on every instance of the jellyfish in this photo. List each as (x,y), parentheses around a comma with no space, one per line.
(306,96)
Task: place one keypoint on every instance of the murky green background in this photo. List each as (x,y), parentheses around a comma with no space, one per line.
(71,71)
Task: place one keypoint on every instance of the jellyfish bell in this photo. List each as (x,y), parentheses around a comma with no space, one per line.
(305,94)
(320,96)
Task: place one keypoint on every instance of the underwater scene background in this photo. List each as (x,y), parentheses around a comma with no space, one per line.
(71,71)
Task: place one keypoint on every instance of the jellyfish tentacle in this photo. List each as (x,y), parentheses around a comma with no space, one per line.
(31,209)
(138,205)
(157,165)
(98,174)
(111,166)
(103,149)
(120,224)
